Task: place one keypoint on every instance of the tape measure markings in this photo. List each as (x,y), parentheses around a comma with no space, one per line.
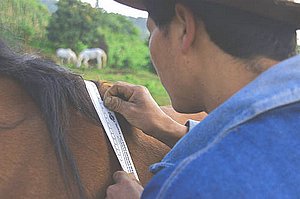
(112,129)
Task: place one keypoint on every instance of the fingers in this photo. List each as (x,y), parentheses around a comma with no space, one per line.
(115,104)
(120,176)
(135,103)
(126,186)
(103,87)
(117,97)
(121,89)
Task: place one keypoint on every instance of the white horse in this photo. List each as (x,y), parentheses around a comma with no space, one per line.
(92,53)
(67,55)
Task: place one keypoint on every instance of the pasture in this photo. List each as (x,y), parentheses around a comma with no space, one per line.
(142,77)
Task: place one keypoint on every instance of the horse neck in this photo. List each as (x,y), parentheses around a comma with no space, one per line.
(31,160)
(89,140)
(26,152)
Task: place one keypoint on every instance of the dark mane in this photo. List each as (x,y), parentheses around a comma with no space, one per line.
(54,89)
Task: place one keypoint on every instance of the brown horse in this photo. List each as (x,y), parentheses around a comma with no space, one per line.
(52,144)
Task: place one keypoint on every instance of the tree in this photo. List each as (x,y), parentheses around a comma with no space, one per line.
(67,25)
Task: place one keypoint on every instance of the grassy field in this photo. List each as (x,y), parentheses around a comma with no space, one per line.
(145,78)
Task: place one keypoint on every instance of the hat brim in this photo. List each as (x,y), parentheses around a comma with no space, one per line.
(137,4)
(282,10)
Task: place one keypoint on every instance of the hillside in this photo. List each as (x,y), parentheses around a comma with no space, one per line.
(140,23)
(23,22)
(51,5)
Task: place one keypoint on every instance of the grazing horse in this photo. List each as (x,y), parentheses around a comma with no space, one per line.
(66,55)
(52,144)
(92,53)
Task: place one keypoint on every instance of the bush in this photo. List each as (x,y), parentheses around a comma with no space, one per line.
(125,51)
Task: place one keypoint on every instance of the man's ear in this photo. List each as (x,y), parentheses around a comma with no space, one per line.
(188,26)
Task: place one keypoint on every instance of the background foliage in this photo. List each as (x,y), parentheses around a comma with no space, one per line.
(23,23)
(77,25)
(30,27)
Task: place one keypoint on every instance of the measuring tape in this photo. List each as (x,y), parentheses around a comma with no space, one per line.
(112,129)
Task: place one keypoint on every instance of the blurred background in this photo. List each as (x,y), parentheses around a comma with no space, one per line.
(43,26)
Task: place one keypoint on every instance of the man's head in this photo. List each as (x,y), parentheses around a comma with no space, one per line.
(195,42)
(242,28)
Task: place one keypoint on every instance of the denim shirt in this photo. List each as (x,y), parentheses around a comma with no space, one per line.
(248,147)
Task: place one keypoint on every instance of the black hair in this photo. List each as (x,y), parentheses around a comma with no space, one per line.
(238,33)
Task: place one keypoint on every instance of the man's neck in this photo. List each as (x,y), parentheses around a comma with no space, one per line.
(224,76)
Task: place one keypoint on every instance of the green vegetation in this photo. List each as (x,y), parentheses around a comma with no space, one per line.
(23,23)
(28,26)
(50,4)
(77,25)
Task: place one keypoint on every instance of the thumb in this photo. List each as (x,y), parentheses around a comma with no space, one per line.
(115,104)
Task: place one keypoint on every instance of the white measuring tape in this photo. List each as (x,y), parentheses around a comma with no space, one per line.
(112,129)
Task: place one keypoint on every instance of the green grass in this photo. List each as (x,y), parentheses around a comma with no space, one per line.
(145,78)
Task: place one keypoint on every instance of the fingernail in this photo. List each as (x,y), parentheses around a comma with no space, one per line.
(107,101)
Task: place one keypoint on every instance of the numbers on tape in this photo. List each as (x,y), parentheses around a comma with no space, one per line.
(112,129)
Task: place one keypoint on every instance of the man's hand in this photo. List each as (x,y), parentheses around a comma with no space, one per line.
(126,186)
(136,104)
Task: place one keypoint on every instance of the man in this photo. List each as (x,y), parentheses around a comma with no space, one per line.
(235,60)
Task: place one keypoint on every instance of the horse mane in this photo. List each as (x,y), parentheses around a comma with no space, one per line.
(55,90)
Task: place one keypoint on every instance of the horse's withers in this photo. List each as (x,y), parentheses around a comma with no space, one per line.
(29,167)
